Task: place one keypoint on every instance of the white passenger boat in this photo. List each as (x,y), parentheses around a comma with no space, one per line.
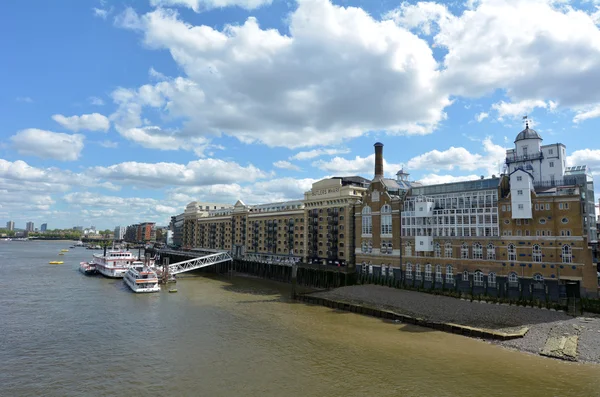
(141,278)
(113,263)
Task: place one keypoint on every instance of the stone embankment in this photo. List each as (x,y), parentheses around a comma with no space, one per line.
(540,331)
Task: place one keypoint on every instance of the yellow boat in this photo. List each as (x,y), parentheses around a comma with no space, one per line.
(56,262)
(64,250)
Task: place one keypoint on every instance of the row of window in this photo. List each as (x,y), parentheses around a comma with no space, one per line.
(538,207)
(513,277)
(477,252)
(386,220)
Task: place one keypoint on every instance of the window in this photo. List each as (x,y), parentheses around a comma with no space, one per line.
(465,276)
(386,220)
(508,207)
(449,275)
(547,206)
(491,252)
(438,274)
(552,164)
(512,252)
(536,253)
(521,206)
(477,251)
(513,280)
(409,274)
(537,207)
(478,279)
(519,178)
(542,221)
(560,206)
(538,281)
(367,221)
(407,250)
(550,151)
(448,250)
(417,271)
(464,251)
(519,192)
(492,280)
(503,208)
(428,272)
(567,254)
(437,250)
(518,222)
(565,220)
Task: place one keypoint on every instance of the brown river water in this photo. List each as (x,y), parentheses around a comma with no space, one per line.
(65,334)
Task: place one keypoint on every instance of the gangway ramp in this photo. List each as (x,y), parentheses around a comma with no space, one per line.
(200,262)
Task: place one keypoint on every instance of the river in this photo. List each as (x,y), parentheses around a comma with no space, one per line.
(66,334)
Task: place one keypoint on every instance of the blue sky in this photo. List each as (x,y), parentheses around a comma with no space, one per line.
(121,112)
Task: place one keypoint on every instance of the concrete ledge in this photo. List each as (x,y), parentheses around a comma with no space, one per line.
(465,330)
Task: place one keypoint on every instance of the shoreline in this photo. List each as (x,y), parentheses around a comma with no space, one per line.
(542,332)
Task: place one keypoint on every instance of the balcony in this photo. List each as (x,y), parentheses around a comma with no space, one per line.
(525,157)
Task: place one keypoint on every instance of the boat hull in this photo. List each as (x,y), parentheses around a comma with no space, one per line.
(135,287)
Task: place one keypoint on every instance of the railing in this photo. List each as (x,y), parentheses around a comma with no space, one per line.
(525,157)
(556,182)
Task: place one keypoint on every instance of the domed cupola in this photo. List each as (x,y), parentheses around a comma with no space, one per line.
(528,133)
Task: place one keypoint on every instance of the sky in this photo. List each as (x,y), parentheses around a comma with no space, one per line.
(119,112)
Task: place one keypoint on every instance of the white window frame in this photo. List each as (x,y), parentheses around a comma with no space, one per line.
(428,272)
(437,250)
(448,250)
(536,253)
(478,278)
(513,279)
(465,275)
(477,251)
(492,280)
(418,271)
(386,220)
(449,275)
(491,252)
(511,252)
(567,254)
(464,251)
(408,249)
(367,221)
(408,271)
(438,274)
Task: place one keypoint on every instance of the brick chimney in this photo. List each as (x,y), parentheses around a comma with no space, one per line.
(378,160)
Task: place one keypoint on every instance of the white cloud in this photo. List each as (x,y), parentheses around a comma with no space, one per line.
(358,165)
(310,154)
(156,75)
(337,75)
(165,209)
(519,109)
(100,12)
(48,144)
(286,165)
(96,101)
(481,116)
(537,50)
(589,113)
(201,5)
(109,144)
(589,157)
(460,158)
(201,172)
(91,122)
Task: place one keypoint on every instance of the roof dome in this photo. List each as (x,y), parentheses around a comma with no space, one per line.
(528,133)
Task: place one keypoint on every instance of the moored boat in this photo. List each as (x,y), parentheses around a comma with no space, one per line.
(113,263)
(141,278)
(56,262)
(87,269)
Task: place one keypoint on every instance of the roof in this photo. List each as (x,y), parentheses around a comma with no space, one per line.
(528,133)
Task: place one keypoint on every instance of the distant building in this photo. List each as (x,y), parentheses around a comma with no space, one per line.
(78,228)
(120,232)
(44,227)
(176,226)
(10,225)
(29,227)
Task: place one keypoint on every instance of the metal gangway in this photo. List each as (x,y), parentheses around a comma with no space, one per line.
(200,262)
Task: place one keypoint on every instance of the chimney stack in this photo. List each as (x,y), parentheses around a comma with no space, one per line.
(378,160)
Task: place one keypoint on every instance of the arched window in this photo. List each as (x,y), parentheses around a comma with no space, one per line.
(386,220)
(538,281)
(448,250)
(418,271)
(408,249)
(437,250)
(478,278)
(512,252)
(477,251)
(567,254)
(536,253)
(492,280)
(513,279)
(438,274)
(428,272)
(449,275)
(409,271)
(464,251)
(367,221)
(491,252)
(465,275)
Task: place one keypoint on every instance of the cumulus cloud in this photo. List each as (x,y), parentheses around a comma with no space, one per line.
(201,5)
(521,108)
(481,116)
(498,45)
(286,165)
(48,144)
(338,74)
(589,157)
(90,122)
(94,100)
(358,165)
(100,12)
(201,172)
(590,113)
(460,158)
(311,154)
(435,179)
